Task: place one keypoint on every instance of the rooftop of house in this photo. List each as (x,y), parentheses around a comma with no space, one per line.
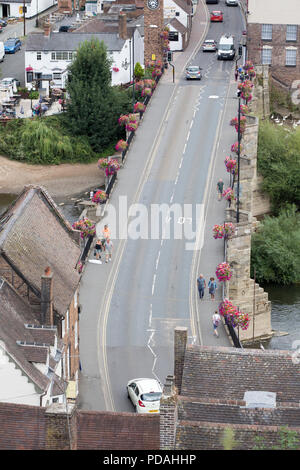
(28,229)
(272,12)
(254,393)
(177,25)
(70,41)
(23,338)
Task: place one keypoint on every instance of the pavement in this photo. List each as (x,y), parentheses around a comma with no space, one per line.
(118,334)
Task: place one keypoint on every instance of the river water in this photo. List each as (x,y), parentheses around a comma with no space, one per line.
(285,300)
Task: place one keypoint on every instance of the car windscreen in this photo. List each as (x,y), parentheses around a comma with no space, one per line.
(225,47)
(193,69)
(155,396)
(10,42)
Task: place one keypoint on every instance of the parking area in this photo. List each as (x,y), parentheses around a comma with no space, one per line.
(14,66)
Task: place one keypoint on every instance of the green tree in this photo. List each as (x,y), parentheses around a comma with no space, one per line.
(138,71)
(275,253)
(94,105)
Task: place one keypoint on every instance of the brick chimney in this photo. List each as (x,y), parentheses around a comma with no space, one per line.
(180,341)
(47,317)
(47,28)
(168,415)
(122,25)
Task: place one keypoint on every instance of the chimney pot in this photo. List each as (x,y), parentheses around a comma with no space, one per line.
(122,25)
(47,316)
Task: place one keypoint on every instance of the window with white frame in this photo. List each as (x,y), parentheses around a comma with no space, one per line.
(291,32)
(266,32)
(291,57)
(56,76)
(39,56)
(266,56)
(62,55)
(76,334)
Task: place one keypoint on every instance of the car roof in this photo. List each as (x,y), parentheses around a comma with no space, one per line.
(146,385)
(209,40)
(193,66)
(218,12)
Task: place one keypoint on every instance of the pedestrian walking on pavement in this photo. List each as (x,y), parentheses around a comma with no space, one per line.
(201,285)
(216,321)
(236,73)
(212,286)
(108,245)
(106,232)
(98,250)
(220,186)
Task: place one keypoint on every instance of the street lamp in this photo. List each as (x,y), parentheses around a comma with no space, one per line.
(239,155)
(37,14)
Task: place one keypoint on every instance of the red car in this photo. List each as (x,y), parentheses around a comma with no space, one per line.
(216,16)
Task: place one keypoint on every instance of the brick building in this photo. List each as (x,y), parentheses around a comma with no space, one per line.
(273,37)
(252,392)
(39,251)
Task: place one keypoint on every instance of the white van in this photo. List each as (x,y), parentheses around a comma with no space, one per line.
(2,53)
(226,49)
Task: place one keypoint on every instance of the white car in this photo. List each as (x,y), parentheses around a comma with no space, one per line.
(232,3)
(145,395)
(9,81)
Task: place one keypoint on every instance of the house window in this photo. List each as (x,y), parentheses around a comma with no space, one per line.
(266,56)
(63,328)
(177,13)
(290,57)
(62,55)
(56,76)
(52,55)
(266,32)
(29,77)
(291,32)
(173,36)
(38,56)
(76,334)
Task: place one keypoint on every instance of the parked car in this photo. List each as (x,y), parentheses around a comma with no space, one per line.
(209,45)
(64,28)
(232,3)
(145,395)
(1,28)
(2,53)
(12,45)
(9,81)
(3,23)
(216,16)
(212,1)
(193,72)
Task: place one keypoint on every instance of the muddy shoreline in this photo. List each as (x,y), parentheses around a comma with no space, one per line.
(60,181)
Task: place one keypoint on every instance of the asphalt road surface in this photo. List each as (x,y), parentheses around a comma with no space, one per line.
(150,290)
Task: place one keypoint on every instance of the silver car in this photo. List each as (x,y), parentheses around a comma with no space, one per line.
(193,72)
(209,45)
(232,3)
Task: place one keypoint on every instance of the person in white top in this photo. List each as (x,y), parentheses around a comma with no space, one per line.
(216,321)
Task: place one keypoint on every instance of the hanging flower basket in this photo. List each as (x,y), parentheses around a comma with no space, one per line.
(102,163)
(243,320)
(229,229)
(121,145)
(156,73)
(147,92)
(231,165)
(99,197)
(139,85)
(131,126)
(112,167)
(123,119)
(86,227)
(234,147)
(139,107)
(149,83)
(228,194)
(79,267)
(132,117)
(218,231)
(244,109)
(248,65)
(223,272)
(229,311)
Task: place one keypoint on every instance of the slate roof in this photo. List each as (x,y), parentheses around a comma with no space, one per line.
(177,25)
(214,382)
(71,41)
(184,6)
(34,235)
(230,372)
(117,431)
(14,313)
(22,427)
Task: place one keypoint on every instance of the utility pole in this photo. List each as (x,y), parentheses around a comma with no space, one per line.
(239,155)
(24,19)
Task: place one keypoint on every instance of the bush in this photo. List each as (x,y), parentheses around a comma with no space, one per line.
(275,253)
(279,164)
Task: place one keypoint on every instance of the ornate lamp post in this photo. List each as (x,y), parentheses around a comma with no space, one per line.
(239,154)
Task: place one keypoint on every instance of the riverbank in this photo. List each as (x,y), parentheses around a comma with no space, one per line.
(59,180)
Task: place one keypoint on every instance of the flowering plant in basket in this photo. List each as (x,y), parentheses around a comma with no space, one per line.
(228,194)
(99,196)
(149,83)
(131,126)
(123,119)
(121,145)
(243,320)
(86,227)
(248,65)
(230,164)
(234,147)
(79,267)
(112,167)
(139,107)
(229,311)
(218,231)
(147,92)
(102,163)
(244,109)
(223,272)
(229,229)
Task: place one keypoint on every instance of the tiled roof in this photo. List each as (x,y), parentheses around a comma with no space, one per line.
(184,6)
(15,312)
(28,230)
(22,427)
(117,431)
(177,25)
(70,41)
(229,373)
